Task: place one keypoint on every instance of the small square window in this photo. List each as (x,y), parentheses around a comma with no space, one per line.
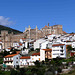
(16,61)
(17,58)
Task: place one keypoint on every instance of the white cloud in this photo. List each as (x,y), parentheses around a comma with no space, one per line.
(5,21)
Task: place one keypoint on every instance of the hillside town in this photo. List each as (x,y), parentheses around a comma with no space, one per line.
(49,43)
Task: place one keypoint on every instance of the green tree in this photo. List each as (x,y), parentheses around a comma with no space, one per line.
(69,48)
(5,53)
(37,63)
(13,72)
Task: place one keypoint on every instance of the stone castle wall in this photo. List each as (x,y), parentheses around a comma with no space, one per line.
(9,39)
(36,34)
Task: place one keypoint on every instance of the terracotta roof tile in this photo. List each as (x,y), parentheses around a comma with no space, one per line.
(46,26)
(47,49)
(68,41)
(35,54)
(58,44)
(17,52)
(25,57)
(64,32)
(20,44)
(49,34)
(0,40)
(9,48)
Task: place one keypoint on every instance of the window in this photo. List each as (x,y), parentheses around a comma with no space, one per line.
(50,55)
(61,54)
(39,59)
(11,62)
(55,50)
(62,47)
(46,45)
(40,45)
(61,51)
(5,58)
(16,61)
(17,58)
(56,54)
(8,58)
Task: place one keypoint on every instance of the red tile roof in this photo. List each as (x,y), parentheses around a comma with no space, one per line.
(9,48)
(49,34)
(20,44)
(72,53)
(58,44)
(68,41)
(17,52)
(46,26)
(25,57)
(35,54)
(64,32)
(0,40)
(47,49)
(10,55)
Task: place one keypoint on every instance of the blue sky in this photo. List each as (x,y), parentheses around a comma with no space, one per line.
(19,14)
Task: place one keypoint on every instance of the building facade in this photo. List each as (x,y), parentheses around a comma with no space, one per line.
(8,39)
(36,34)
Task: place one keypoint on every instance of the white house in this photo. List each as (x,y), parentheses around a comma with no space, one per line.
(59,50)
(24,61)
(8,49)
(29,60)
(24,51)
(45,53)
(73,45)
(35,56)
(0,45)
(38,42)
(12,60)
(46,44)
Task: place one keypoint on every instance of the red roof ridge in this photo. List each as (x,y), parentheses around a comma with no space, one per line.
(17,52)
(49,34)
(64,32)
(46,26)
(25,57)
(47,49)
(9,48)
(20,44)
(58,44)
(36,54)
(0,40)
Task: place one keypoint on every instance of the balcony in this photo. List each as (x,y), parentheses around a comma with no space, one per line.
(5,61)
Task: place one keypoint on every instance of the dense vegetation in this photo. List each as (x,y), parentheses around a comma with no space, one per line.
(9,29)
(47,67)
(43,68)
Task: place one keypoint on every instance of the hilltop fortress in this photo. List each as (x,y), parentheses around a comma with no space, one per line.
(8,39)
(36,34)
